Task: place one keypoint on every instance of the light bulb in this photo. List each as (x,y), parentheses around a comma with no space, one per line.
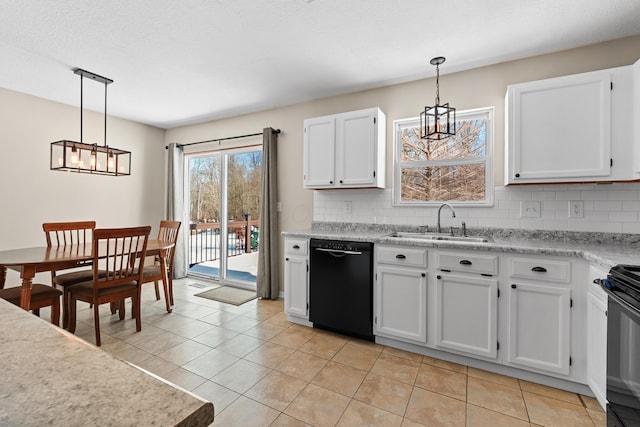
(74,155)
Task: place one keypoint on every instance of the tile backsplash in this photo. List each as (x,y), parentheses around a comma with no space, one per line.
(610,208)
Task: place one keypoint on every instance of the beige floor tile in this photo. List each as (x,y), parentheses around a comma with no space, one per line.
(241,376)
(481,417)
(435,410)
(264,331)
(356,356)
(269,354)
(133,355)
(496,397)
(445,364)
(302,365)
(276,390)
(396,368)
(406,422)
(221,397)
(217,318)
(185,379)
(161,343)
(598,417)
(318,406)
(554,393)
(215,336)
(240,324)
(323,346)
(552,412)
(591,403)
(443,381)
(340,378)
(263,312)
(184,352)
(211,363)
(414,357)
(285,420)
(157,366)
(244,412)
(240,345)
(367,344)
(494,378)
(384,393)
(361,414)
(292,338)
(279,319)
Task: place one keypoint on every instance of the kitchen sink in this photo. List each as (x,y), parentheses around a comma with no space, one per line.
(441,236)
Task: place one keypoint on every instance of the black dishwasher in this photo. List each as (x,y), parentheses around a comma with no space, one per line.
(341,287)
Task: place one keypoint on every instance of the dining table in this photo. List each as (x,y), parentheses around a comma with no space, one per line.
(29,261)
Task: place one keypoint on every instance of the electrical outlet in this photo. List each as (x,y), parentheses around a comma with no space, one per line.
(529,209)
(576,209)
(279,206)
(348,207)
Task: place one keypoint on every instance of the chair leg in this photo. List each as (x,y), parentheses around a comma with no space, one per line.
(136,310)
(36,312)
(96,321)
(167,295)
(121,309)
(155,283)
(55,310)
(171,287)
(65,308)
(72,315)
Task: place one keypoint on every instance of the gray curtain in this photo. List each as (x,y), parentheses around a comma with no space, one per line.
(175,206)
(268,277)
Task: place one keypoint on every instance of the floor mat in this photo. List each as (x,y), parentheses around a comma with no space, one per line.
(228,295)
(215,272)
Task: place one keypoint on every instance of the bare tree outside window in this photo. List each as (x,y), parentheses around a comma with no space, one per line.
(453,169)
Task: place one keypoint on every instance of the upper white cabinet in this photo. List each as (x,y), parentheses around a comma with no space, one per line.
(345,150)
(574,128)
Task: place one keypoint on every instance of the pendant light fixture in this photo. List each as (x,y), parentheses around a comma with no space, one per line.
(439,121)
(72,156)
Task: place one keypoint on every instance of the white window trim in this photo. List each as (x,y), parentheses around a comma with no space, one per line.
(487,160)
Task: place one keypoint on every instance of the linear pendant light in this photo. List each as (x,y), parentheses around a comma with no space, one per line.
(72,156)
(436,122)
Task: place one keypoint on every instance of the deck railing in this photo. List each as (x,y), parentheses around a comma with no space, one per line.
(242,238)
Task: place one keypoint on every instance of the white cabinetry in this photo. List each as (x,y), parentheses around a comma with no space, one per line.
(400,293)
(570,129)
(539,315)
(345,150)
(597,337)
(296,279)
(467,303)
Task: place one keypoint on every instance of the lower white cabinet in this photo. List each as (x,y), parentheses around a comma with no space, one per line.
(467,314)
(400,293)
(597,337)
(296,278)
(539,327)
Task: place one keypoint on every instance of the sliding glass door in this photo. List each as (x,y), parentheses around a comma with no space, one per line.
(224,207)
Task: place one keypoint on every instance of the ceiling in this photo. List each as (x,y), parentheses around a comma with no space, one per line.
(181,62)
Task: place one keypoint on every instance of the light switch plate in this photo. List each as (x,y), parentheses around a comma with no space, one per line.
(576,209)
(530,209)
(348,207)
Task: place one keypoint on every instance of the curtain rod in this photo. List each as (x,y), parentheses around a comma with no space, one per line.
(276,131)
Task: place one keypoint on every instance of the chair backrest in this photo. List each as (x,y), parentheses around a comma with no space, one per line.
(169,231)
(62,234)
(120,253)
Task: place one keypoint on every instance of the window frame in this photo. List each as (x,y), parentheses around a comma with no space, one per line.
(487,159)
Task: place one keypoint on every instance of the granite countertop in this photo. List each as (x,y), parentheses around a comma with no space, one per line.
(50,377)
(604,250)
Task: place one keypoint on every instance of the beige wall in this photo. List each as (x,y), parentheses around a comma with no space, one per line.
(475,88)
(33,194)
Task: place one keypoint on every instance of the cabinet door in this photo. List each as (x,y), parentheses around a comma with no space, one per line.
(559,129)
(295,286)
(401,303)
(596,342)
(539,327)
(467,314)
(356,148)
(319,152)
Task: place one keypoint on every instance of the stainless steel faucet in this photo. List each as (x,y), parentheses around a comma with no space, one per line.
(453,214)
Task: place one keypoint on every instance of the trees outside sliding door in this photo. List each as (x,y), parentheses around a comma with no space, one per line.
(224,206)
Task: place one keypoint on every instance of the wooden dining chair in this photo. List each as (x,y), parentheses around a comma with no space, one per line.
(120,253)
(67,236)
(153,273)
(41,296)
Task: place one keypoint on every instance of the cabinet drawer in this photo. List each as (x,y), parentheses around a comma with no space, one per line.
(541,269)
(296,246)
(397,255)
(468,263)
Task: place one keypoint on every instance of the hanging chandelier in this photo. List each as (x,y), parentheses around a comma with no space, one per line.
(439,121)
(73,156)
